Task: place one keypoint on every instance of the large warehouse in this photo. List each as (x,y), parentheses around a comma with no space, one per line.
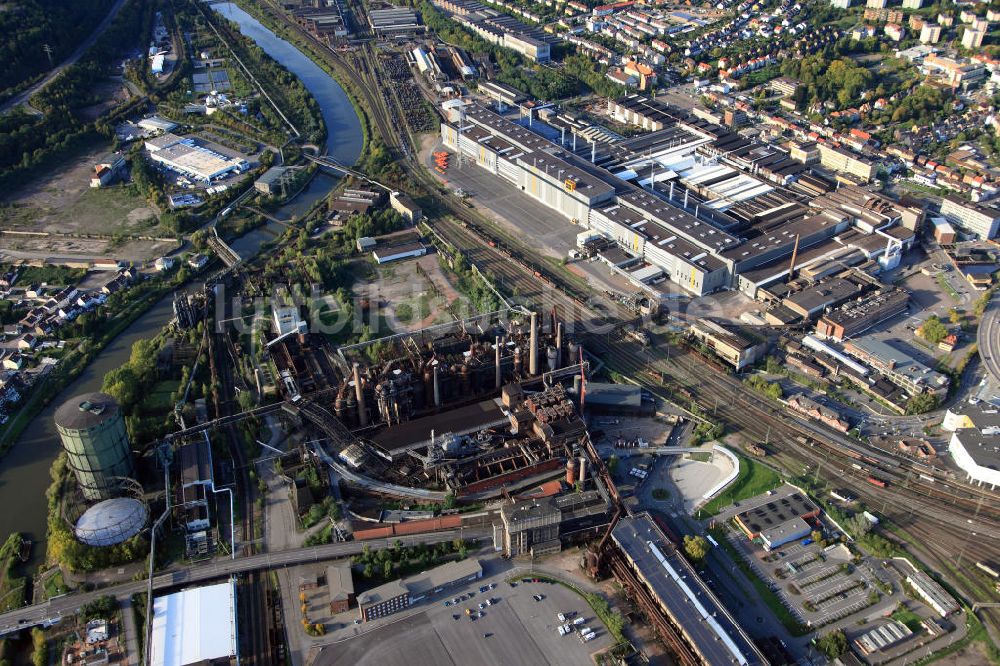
(187,157)
(195,626)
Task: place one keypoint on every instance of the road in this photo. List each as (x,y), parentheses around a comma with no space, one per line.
(988,338)
(21,618)
(23,97)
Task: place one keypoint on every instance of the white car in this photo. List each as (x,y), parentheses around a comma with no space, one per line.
(562,618)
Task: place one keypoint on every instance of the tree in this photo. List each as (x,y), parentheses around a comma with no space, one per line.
(449,500)
(39,649)
(932,330)
(954,316)
(816,536)
(387,569)
(369,571)
(921,403)
(832,644)
(695,547)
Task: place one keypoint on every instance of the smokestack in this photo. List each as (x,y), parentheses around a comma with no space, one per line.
(686,199)
(583,469)
(562,137)
(498,372)
(593,152)
(671,190)
(574,142)
(437,388)
(359,392)
(570,471)
(559,329)
(795,253)
(533,349)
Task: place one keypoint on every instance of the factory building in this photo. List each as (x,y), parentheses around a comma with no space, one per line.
(537,527)
(735,345)
(935,595)
(898,367)
(394,22)
(93,435)
(856,317)
(681,595)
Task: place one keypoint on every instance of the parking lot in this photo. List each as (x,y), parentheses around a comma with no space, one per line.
(515,629)
(819,585)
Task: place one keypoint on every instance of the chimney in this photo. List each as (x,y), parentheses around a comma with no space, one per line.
(671,190)
(593,152)
(359,392)
(559,331)
(499,378)
(437,387)
(533,349)
(574,142)
(562,137)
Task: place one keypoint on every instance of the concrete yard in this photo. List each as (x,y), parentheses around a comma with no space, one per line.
(521,631)
(693,478)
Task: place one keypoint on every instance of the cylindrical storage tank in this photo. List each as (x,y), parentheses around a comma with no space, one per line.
(552,358)
(570,472)
(583,469)
(93,435)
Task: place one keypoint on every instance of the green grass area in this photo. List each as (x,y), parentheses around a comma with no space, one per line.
(763,591)
(160,397)
(909,618)
(946,286)
(55,585)
(12,588)
(753,479)
(700,456)
(57,275)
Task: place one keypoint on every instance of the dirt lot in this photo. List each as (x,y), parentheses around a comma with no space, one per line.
(414,294)
(64,202)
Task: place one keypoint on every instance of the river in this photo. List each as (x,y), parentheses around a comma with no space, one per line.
(24,470)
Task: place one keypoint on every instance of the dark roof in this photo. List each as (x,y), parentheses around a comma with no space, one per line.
(86,411)
(781,510)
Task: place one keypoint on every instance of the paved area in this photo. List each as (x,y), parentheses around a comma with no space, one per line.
(693,478)
(516,629)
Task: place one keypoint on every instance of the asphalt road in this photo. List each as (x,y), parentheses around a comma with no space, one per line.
(67,605)
(988,337)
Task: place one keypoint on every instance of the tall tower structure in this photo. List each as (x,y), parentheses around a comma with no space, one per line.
(93,435)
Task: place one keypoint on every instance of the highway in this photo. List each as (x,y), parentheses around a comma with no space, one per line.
(988,339)
(16,620)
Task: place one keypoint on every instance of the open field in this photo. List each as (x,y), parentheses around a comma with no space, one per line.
(64,202)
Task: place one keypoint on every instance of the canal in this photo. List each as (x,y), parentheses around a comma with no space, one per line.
(24,470)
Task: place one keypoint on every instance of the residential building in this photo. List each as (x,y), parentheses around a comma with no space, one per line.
(930,33)
(843,160)
(912,4)
(894,31)
(972,38)
(976,219)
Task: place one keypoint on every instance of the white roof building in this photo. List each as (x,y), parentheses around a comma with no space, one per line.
(195,625)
